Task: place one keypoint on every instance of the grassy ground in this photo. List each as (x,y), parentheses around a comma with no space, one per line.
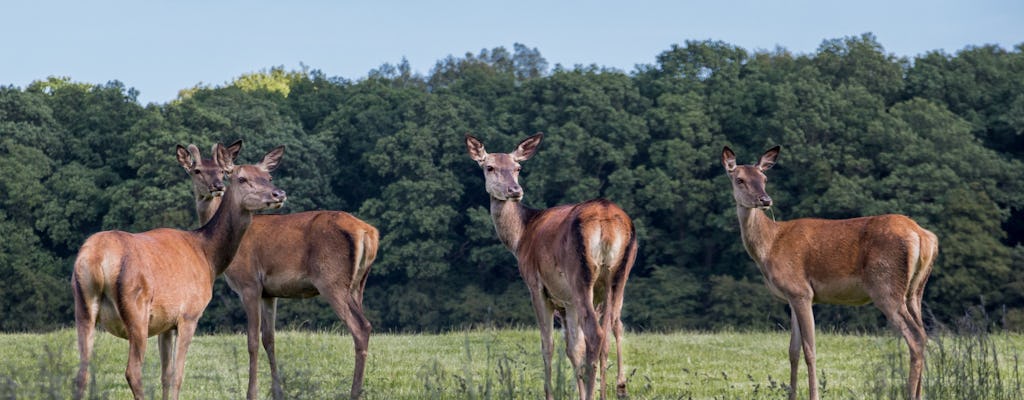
(506,364)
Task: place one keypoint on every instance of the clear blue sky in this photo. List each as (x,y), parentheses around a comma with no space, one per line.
(162,46)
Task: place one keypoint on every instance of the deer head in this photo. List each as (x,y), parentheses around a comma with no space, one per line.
(258,192)
(501,170)
(749,181)
(207,175)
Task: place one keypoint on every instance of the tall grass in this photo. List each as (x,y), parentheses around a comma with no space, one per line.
(506,364)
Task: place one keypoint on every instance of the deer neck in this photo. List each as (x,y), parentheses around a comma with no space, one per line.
(510,219)
(758,232)
(206,207)
(222,233)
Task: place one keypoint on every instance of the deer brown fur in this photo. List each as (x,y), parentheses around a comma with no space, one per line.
(137,285)
(575,259)
(326,253)
(885,260)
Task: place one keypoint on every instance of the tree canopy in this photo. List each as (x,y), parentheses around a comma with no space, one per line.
(938,137)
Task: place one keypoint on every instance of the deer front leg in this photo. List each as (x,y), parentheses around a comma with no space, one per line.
(802,308)
(186,330)
(268,317)
(794,354)
(136,354)
(545,320)
(252,305)
(166,344)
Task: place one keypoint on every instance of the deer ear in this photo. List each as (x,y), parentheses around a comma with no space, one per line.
(223,159)
(527,147)
(185,158)
(272,159)
(767,160)
(476,149)
(232,150)
(728,159)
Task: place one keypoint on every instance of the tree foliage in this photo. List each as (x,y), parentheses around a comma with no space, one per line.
(937,137)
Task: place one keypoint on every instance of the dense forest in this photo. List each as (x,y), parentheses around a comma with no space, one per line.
(938,137)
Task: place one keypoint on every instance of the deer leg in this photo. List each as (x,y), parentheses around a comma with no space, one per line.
(186,330)
(802,308)
(136,353)
(86,311)
(349,311)
(166,344)
(906,324)
(253,316)
(794,353)
(268,317)
(614,313)
(921,335)
(620,379)
(575,348)
(545,320)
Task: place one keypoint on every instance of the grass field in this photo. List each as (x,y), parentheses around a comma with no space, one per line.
(506,364)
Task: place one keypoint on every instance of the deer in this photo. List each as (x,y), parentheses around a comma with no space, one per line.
(883,259)
(159,282)
(301,255)
(575,260)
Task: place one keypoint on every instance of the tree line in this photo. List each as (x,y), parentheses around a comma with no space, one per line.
(938,137)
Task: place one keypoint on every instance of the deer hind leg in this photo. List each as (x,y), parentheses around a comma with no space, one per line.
(613,323)
(922,265)
(575,348)
(86,312)
(348,309)
(898,313)
(802,309)
(268,317)
(588,343)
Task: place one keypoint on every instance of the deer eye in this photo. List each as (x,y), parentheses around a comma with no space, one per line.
(490,168)
(739,181)
(196,171)
(242,179)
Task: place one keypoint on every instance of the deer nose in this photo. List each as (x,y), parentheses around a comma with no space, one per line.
(218,186)
(278,194)
(765,200)
(514,191)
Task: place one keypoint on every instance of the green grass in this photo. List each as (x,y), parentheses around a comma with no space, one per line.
(506,364)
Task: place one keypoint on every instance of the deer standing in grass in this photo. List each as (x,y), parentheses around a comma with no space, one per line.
(572,257)
(883,259)
(137,285)
(292,256)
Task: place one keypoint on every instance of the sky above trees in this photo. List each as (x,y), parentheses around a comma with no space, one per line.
(159,48)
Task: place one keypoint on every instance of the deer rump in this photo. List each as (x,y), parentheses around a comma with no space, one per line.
(123,277)
(579,245)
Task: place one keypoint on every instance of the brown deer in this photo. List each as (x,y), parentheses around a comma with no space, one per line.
(883,259)
(292,256)
(575,260)
(137,285)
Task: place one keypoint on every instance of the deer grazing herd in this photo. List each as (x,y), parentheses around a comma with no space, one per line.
(575,260)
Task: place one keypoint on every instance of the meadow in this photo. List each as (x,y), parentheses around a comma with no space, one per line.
(506,364)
